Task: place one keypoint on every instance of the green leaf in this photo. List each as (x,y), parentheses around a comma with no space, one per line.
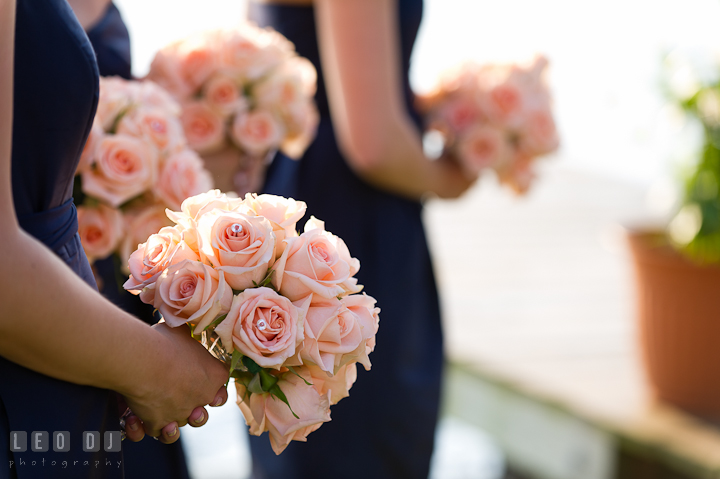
(251,365)
(255,386)
(215,323)
(292,370)
(277,392)
(237,357)
(267,380)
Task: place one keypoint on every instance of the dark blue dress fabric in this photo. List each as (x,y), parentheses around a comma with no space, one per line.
(148,458)
(385,429)
(55,97)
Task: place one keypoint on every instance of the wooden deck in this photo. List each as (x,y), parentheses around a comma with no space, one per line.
(538,301)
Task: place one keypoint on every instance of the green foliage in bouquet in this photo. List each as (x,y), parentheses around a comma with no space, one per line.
(695,230)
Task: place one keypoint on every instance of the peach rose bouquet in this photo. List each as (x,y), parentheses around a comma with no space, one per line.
(281,308)
(494,117)
(245,94)
(135,163)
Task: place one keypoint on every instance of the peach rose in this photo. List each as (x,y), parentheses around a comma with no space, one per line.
(165,71)
(263,326)
(337,332)
(151,258)
(192,292)
(125,168)
(100,229)
(291,84)
(204,129)
(155,125)
(182,175)
(283,214)
(303,122)
(251,52)
(263,412)
(518,174)
(257,131)
(338,385)
(89,153)
(240,245)
(115,99)
(315,262)
(196,206)
(223,94)
(460,114)
(538,135)
(149,94)
(483,147)
(503,103)
(198,59)
(140,224)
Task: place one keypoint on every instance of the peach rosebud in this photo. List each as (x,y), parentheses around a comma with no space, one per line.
(338,385)
(100,230)
(483,147)
(151,258)
(263,412)
(266,327)
(125,168)
(140,224)
(182,175)
(89,153)
(192,292)
(240,245)
(337,332)
(315,262)
(204,129)
(257,132)
(155,125)
(222,93)
(196,206)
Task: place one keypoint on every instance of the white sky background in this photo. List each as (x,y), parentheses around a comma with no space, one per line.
(605,60)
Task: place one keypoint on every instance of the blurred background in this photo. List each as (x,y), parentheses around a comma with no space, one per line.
(544,377)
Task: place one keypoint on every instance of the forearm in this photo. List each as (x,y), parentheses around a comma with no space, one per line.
(55,324)
(89,12)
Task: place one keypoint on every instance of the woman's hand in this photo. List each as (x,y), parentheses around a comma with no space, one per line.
(190,379)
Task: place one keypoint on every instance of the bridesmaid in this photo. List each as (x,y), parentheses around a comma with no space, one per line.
(366,176)
(110,39)
(63,348)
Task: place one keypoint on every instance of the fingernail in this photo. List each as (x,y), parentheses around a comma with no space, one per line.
(218,401)
(173,432)
(200,418)
(133,424)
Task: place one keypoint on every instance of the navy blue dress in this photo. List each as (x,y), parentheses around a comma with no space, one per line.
(385,429)
(55,97)
(148,458)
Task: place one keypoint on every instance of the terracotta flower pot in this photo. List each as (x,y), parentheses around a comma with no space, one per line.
(679,313)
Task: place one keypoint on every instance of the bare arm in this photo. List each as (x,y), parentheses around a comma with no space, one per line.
(54,323)
(359,46)
(89,12)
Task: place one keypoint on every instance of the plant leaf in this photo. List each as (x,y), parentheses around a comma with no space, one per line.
(292,370)
(277,392)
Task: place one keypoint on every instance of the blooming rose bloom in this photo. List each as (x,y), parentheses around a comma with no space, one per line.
(460,114)
(257,131)
(151,95)
(264,326)
(161,250)
(251,52)
(264,412)
(283,214)
(302,126)
(89,153)
(198,58)
(125,167)
(204,129)
(195,206)
(240,245)
(538,135)
(115,97)
(292,83)
(337,332)
(483,147)
(100,230)
(222,93)
(503,104)
(338,385)
(191,292)
(315,262)
(165,71)
(140,224)
(182,175)
(155,125)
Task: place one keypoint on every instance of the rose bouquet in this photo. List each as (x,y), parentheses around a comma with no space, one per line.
(135,164)
(281,309)
(245,93)
(494,117)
